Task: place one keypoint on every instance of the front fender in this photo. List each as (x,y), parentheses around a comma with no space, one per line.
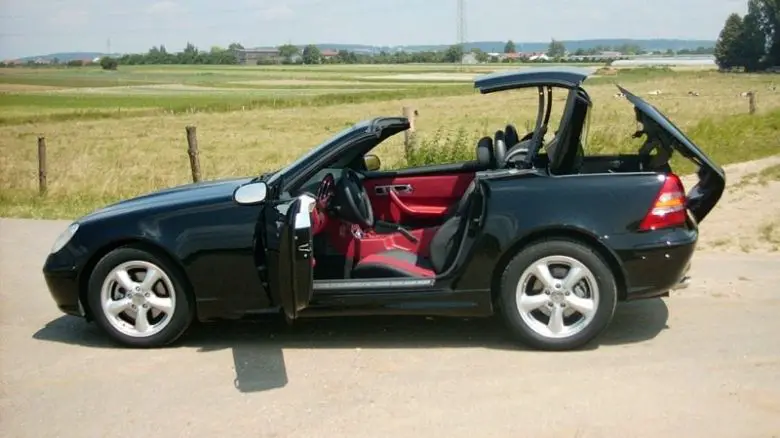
(214,244)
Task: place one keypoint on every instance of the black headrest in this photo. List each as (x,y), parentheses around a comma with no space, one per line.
(485,155)
(563,148)
(500,148)
(511,137)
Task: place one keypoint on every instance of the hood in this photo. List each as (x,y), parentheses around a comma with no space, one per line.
(188,194)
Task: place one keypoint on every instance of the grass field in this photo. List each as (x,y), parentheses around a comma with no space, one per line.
(112,135)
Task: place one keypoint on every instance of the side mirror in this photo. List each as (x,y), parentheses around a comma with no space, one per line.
(250,194)
(372,162)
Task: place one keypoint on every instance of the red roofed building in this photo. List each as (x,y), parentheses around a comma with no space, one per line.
(328,53)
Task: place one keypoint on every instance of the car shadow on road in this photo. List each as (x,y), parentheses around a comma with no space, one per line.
(257,344)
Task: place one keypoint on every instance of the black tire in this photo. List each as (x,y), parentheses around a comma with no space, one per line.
(604,278)
(183,308)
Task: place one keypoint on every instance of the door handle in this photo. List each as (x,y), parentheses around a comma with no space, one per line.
(304,248)
(398,188)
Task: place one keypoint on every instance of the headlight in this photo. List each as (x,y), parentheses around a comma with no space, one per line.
(65,237)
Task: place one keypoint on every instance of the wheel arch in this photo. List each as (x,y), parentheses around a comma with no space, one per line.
(577,235)
(146,245)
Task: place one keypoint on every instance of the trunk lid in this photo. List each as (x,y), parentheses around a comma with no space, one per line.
(703,197)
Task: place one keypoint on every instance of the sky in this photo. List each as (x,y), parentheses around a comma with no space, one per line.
(39,27)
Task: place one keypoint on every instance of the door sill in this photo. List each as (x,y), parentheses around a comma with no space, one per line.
(379,285)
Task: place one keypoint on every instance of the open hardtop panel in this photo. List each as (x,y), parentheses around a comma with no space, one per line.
(565,77)
(683,144)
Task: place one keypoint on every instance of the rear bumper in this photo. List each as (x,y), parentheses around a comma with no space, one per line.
(656,262)
(683,283)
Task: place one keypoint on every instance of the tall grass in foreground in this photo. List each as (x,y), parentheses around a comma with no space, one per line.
(443,147)
(725,139)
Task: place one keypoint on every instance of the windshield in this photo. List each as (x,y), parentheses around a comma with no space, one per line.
(315,150)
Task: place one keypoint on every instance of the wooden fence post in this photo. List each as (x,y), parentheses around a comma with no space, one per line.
(410,136)
(42,165)
(752,101)
(192,150)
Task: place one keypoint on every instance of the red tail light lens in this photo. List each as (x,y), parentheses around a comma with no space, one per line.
(668,209)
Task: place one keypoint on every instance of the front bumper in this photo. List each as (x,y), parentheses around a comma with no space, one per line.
(657,262)
(61,277)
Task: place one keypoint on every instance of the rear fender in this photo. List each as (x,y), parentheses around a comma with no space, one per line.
(578,235)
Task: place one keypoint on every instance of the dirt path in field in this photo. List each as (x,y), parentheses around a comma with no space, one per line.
(703,363)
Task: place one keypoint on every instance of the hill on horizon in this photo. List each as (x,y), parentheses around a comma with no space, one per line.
(539,46)
(659,44)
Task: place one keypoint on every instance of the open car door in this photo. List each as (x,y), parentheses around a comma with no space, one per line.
(703,197)
(291,271)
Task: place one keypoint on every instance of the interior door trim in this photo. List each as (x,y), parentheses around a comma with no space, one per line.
(401,189)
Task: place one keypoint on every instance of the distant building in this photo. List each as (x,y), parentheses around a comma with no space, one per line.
(538,57)
(469,58)
(264,55)
(328,54)
(601,56)
(513,56)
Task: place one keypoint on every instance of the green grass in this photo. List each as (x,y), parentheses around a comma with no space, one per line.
(38,108)
(725,140)
(234,88)
(106,145)
(231,88)
(737,138)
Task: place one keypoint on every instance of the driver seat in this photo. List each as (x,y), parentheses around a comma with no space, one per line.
(399,263)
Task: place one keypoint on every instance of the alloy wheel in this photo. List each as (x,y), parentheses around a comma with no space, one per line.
(557,296)
(138,298)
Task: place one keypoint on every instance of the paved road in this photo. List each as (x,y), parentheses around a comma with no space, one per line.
(705,362)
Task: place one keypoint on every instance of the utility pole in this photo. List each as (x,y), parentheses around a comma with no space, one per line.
(461,29)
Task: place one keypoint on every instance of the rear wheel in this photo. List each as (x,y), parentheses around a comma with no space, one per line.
(138,298)
(557,295)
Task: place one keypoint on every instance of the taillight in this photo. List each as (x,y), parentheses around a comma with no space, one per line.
(668,209)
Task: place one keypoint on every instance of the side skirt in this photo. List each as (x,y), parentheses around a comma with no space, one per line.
(369,285)
(395,297)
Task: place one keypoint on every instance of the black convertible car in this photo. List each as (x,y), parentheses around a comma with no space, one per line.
(538,231)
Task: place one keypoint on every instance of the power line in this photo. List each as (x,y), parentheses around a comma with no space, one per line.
(461,22)
(461,28)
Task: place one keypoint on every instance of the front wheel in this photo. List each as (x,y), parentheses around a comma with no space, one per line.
(139,298)
(557,295)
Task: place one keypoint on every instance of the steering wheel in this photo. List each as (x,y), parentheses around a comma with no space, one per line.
(325,191)
(355,206)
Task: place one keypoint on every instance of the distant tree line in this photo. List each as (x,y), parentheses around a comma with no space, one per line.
(311,54)
(190,55)
(752,42)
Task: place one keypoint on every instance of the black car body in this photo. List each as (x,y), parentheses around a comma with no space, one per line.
(331,234)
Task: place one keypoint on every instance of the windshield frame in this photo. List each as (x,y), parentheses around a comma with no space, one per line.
(318,150)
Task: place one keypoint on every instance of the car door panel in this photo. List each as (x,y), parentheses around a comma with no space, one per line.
(412,197)
(289,252)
